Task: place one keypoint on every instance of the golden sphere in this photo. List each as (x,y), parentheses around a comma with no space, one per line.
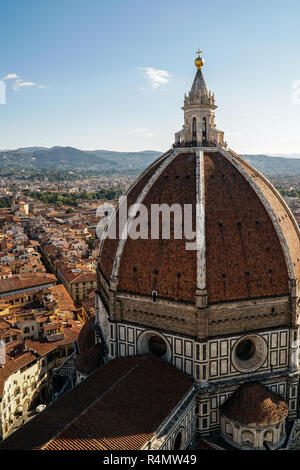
(199,62)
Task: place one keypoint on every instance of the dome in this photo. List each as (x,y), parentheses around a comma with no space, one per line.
(251,239)
(256,406)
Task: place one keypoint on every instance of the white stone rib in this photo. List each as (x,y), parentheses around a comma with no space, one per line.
(132,214)
(200,220)
(128,190)
(283,242)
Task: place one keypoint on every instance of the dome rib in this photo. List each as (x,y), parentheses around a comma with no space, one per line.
(165,163)
(240,164)
(108,247)
(247,252)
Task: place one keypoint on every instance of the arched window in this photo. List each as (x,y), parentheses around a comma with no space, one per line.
(204,131)
(179,441)
(194,129)
(247,438)
(228,429)
(268,436)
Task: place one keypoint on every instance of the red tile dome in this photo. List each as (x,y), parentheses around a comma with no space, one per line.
(251,238)
(255,405)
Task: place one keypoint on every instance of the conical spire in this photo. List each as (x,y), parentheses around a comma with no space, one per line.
(199,93)
(199,86)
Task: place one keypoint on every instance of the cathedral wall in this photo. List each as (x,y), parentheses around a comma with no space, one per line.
(186,424)
(248,315)
(208,361)
(179,318)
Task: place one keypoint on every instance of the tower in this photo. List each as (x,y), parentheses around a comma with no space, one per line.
(199,129)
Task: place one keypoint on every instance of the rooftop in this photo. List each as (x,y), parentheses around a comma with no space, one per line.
(120,406)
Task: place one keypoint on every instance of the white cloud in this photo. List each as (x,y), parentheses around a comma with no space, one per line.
(10,76)
(20,84)
(142,131)
(157,77)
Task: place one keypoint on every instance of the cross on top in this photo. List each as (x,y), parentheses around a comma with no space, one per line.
(198,52)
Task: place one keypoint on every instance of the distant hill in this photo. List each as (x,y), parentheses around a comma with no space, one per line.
(70,158)
(274,166)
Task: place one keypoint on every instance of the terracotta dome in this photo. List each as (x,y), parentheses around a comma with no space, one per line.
(251,237)
(255,405)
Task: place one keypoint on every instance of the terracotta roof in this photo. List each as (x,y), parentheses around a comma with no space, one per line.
(26,281)
(119,406)
(51,326)
(157,262)
(62,298)
(44,347)
(84,277)
(285,217)
(244,257)
(89,306)
(255,405)
(244,254)
(110,245)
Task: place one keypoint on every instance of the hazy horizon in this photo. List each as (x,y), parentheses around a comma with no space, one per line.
(98,81)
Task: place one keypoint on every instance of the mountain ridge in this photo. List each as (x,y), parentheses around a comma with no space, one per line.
(68,158)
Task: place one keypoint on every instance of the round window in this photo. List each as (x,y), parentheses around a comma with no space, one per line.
(245,350)
(249,353)
(157,345)
(154,343)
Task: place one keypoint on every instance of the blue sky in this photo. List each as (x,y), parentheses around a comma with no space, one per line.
(98,74)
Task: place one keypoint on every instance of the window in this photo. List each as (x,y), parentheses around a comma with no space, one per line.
(249,353)
(179,441)
(197,352)
(157,345)
(204,131)
(194,129)
(245,350)
(228,429)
